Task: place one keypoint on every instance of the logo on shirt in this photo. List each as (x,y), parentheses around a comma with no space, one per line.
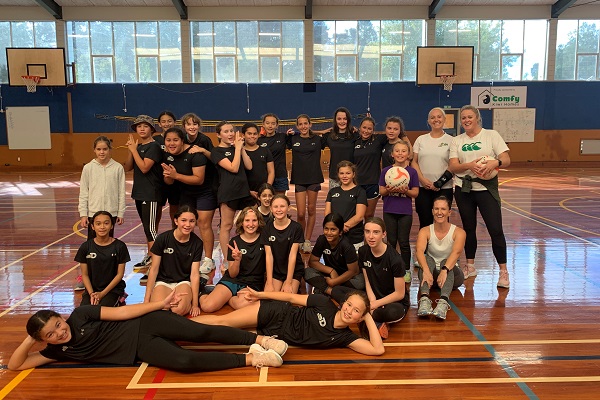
(243,251)
(296,144)
(261,248)
(263,145)
(163,147)
(367,264)
(335,195)
(278,141)
(322,321)
(444,144)
(271,238)
(91,255)
(168,250)
(357,146)
(227,153)
(327,251)
(471,146)
(170,158)
(65,348)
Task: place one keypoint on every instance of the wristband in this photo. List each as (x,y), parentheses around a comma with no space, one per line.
(444,268)
(499,162)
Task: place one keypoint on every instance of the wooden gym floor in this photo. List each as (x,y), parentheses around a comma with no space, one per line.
(540,339)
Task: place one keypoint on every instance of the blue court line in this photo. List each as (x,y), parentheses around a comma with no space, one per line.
(500,360)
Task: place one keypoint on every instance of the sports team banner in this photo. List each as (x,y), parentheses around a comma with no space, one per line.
(499,96)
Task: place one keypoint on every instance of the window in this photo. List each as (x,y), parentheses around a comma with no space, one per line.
(24,34)
(347,51)
(248,51)
(577,50)
(125,51)
(508,50)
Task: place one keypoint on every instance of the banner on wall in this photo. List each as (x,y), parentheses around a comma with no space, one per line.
(499,96)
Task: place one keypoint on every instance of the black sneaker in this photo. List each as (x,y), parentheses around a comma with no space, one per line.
(144,264)
(144,280)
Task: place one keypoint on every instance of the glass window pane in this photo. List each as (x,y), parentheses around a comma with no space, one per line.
(22,34)
(224,38)
(4,43)
(125,67)
(511,67)
(512,36)
(101,33)
(446,32)
(225,69)
(368,50)
(414,35)
(45,34)
(247,33)
(391,37)
(270,36)
(346,37)
(346,69)
(202,51)
(293,51)
(269,69)
(323,68)
(170,52)
(390,68)
(468,34)
(588,37)
(78,36)
(587,66)
(566,42)
(323,64)
(148,67)
(146,36)
(534,55)
(103,69)
(489,51)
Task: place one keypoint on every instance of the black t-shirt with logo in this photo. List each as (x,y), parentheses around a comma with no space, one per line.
(381,271)
(232,186)
(280,242)
(367,157)
(344,203)
(160,139)
(148,186)
(176,257)
(210,175)
(277,146)
(252,265)
(103,263)
(312,325)
(258,174)
(341,148)
(96,341)
(337,258)
(306,159)
(184,164)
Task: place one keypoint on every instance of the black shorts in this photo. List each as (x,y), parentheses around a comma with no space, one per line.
(298,275)
(315,187)
(240,204)
(171,193)
(372,191)
(204,201)
(270,317)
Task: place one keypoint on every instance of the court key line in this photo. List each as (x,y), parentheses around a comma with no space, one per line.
(562,204)
(14,382)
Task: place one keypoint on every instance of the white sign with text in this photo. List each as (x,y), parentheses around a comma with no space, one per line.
(499,96)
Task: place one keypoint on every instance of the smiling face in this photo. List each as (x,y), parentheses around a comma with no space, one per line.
(400,153)
(279,208)
(251,136)
(166,122)
(441,211)
(173,143)
(102,151)
(265,198)
(331,233)
(303,126)
(185,223)
(56,331)
(353,310)
(191,127)
(341,120)
(374,234)
(227,134)
(250,223)
(102,225)
(392,130)
(468,120)
(366,130)
(270,125)
(346,175)
(436,119)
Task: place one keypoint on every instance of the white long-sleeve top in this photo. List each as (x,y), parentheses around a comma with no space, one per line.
(102,188)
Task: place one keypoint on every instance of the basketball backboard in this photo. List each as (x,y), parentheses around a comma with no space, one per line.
(435,61)
(47,63)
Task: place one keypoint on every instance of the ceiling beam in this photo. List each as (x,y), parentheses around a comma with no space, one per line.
(308,9)
(435,7)
(560,6)
(51,7)
(181,9)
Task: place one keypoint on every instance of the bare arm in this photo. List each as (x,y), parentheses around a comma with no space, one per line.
(456,167)
(358,217)
(152,272)
(396,295)
(270,172)
(373,346)
(315,262)
(269,268)
(22,359)
(137,310)
(346,276)
(296,299)
(426,183)
(246,159)
(422,240)
(327,208)
(115,281)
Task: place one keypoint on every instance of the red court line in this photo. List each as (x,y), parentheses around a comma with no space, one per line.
(157,379)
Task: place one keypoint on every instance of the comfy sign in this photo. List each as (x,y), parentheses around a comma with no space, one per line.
(499,97)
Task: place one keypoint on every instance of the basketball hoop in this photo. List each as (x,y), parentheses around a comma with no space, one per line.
(447,81)
(31,82)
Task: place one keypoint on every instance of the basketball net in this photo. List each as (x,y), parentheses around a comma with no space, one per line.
(447,81)
(31,82)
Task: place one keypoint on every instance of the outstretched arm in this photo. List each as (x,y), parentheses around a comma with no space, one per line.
(137,310)
(22,359)
(296,299)
(373,346)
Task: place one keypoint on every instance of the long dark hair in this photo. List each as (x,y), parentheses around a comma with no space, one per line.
(362,325)
(337,220)
(335,133)
(37,321)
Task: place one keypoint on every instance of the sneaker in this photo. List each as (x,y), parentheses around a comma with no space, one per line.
(408,276)
(79,286)
(503,280)
(264,358)
(144,280)
(469,270)
(207,265)
(441,309)
(306,247)
(144,264)
(425,308)
(272,343)
(382,327)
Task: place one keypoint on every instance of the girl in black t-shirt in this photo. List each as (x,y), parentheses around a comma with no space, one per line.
(231,160)
(395,132)
(166,120)
(265,195)
(340,140)
(276,143)
(246,258)
(318,322)
(340,263)
(263,167)
(102,261)
(176,257)
(123,335)
(282,239)
(350,201)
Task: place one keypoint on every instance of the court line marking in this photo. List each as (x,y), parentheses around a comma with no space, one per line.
(562,205)
(264,375)
(14,382)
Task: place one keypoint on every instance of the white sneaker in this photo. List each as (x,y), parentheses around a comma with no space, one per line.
(264,358)
(272,343)
(306,247)
(207,265)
